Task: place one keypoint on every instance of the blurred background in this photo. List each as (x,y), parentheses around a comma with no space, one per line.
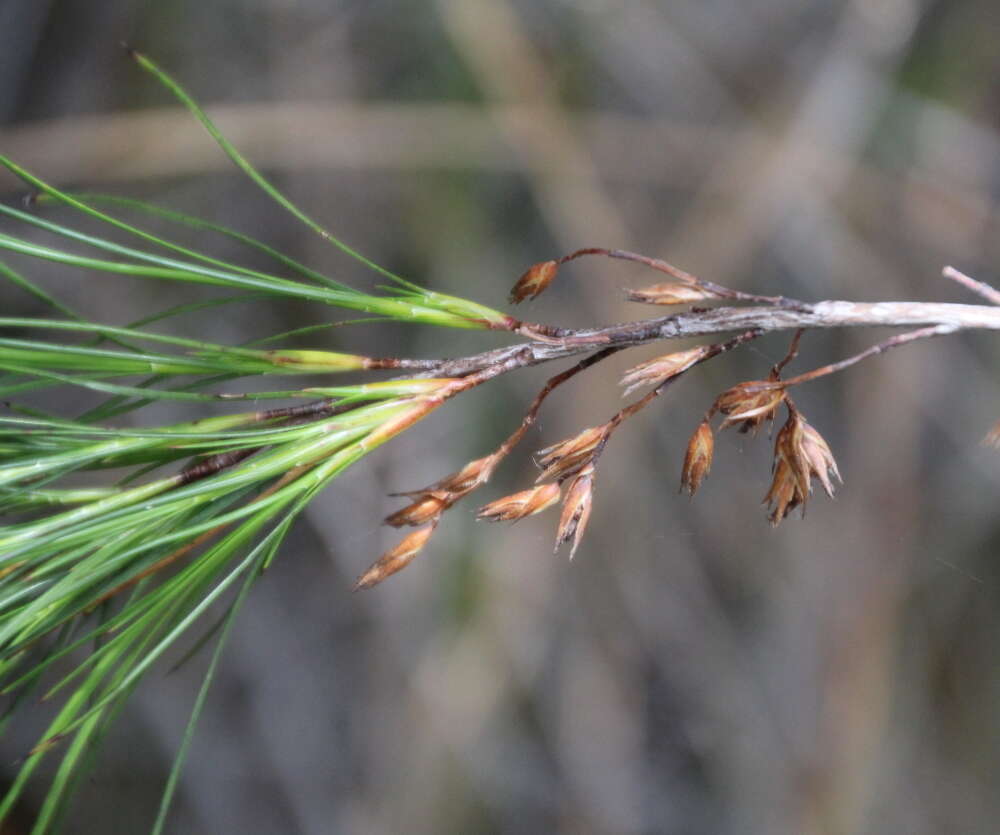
(693,670)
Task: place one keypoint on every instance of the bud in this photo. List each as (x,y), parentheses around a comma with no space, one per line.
(660,369)
(576,509)
(697,458)
(670,293)
(535,279)
(567,457)
(395,559)
(750,403)
(519,505)
(425,509)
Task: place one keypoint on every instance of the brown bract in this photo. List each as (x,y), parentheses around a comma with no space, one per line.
(519,505)
(562,460)
(395,559)
(534,280)
(670,293)
(458,484)
(697,458)
(660,369)
(576,509)
(425,509)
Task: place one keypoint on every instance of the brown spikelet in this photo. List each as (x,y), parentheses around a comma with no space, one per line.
(800,454)
(662,368)
(697,458)
(751,404)
(565,458)
(425,509)
(395,559)
(534,280)
(670,293)
(519,505)
(576,509)
(458,484)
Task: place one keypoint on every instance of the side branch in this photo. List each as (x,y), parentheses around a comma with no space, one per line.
(827,314)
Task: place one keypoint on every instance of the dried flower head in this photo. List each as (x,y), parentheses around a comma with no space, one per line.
(751,403)
(670,293)
(818,456)
(659,369)
(518,505)
(576,509)
(697,458)
(425,509)
(395,559)
(534,280)
(562,460)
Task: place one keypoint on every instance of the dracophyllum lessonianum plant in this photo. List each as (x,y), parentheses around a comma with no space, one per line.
(100,577)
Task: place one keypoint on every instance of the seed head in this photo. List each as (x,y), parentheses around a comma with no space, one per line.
(697,458)
(751,403)
(817,455)
(784,495)
(395,559)
(576,509)
(534,280)
(669,293)
(425,509)
(660,369)
(518,505)
(567,457)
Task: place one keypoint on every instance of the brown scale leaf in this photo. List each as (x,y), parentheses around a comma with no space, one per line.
(800,454)
(425,509)
(751,403)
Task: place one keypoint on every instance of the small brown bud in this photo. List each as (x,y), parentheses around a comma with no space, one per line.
(534,280)
(697,458)
(519,505)
(395,559)
(567,457)
(750,403)
(425,509)
(576,509)
(660,369)
(670,293)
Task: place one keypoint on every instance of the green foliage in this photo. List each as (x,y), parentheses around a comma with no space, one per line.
(98,582)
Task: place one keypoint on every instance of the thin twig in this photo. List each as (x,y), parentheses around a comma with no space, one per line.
(980,288)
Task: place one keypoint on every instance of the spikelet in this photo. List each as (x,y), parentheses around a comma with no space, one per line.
(576,509)
(697,458)
(670,293)
(519,505)
(660,369)
(562,460)
(534,280)
(395,559)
